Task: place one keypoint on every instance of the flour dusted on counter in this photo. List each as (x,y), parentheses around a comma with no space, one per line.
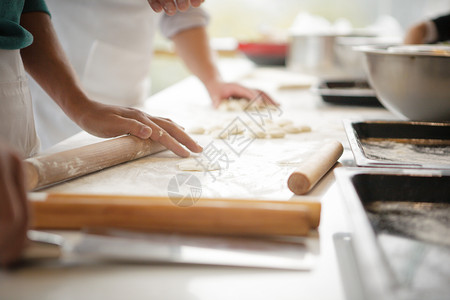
(198,165)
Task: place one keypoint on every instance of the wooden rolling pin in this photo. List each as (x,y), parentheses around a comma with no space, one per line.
(52,168)
(302,180)
(206,216)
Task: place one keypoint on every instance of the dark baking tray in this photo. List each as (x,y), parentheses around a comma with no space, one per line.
(397,144)
(402,247)
(348,92)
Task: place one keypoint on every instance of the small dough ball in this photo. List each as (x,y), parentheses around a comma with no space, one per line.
(223,106)
(243,103)
(198,165)
(238,129)
(276,134)
(296,128)
(256,133)
(196,130)
(284,122)
(234,105)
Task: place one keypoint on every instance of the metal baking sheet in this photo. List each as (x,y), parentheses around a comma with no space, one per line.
(401,231)
(348,92)
(400,144)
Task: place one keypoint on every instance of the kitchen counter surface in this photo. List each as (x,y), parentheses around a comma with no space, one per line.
(258,173)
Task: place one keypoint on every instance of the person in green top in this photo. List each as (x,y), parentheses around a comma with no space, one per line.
(28,43)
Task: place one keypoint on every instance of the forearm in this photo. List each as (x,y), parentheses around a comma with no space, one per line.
(192,46)
(46,62)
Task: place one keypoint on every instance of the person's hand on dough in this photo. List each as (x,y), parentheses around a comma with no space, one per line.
(13,206)
(170,7)
(219,91)
(109,121)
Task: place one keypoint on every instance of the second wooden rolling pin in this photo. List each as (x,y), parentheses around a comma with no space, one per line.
(206,216)
(314,168)
(52,168)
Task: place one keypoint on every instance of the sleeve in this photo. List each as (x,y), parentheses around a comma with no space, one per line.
(35,5)
(443,27)
(193,17)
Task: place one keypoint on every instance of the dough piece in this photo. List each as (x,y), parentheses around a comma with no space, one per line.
(243,104)
(234,105)
(296,128)
(276,134)
(199,165)
(197,130)
(223,106)
(284,122)
(236,129)
(256,133)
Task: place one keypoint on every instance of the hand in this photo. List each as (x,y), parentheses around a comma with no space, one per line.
(13,206)
(416,34)
(109,121)
(170,6)
(219,91)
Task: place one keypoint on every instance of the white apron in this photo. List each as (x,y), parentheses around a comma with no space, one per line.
(16,110)
(110,50)
(110,45)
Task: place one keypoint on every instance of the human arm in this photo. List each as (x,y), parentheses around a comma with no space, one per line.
(170,7)
(46,62)
(13,206)
(436,30)
(416,34)
(192,45)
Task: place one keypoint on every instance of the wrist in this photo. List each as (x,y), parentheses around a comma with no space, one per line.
(212,84)
(75,106)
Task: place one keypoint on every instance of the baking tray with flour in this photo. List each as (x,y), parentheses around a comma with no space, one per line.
(400,237)
(400,144)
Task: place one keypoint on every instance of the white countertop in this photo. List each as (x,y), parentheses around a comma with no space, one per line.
(187,104)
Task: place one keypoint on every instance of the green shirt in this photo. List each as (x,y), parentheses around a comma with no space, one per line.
(12,35)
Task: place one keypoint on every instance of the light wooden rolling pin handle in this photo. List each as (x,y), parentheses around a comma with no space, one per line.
(206,216)
(52,168)
(313,168)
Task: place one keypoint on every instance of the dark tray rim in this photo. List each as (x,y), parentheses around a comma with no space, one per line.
(324,90)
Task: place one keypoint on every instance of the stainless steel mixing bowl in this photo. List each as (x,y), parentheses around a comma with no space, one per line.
(412,84)
(314,54)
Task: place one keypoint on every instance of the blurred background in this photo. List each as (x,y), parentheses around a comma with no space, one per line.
(255,20)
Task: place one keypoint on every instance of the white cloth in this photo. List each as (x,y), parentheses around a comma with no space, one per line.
(110,45)
(16,111)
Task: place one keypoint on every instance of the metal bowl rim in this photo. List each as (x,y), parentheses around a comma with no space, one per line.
(381,50)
